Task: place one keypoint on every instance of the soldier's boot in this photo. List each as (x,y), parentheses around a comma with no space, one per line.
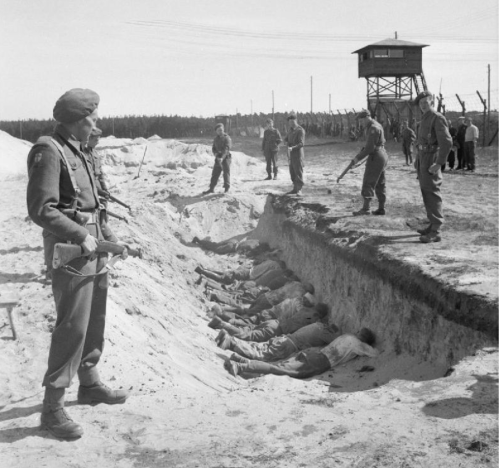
(231,329)
(276,174)
(380,211)
(268,176)
(100,393)
(433,236)
(365,210)
(232,367)
(238,358)
(54,417)
(425,231)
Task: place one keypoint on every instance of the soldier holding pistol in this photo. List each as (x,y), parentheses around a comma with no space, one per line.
(62,199)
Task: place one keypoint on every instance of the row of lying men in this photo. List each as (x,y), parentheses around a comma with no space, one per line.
(273,323)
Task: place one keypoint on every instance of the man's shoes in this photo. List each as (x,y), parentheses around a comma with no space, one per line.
(237,358)
(100,393)
(298,193)
(215,323)
(291,192)
(430,237)
(60,425)
(268,178)
(275,177)
(232,367)
(206,192)
(223,339)
(425,231)
(198,269)
(379,212)
(226,190)
(361,212)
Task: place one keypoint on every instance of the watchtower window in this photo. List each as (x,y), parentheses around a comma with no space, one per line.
(378,53)
(364,56)
(396,53)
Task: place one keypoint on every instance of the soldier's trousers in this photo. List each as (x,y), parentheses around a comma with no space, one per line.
(297,169)
(225,169)
(271,162)
(470,155)
(430,186)
(275,349)
(461,155)
(374,178)
(260,333)
(78,338)
(306,364)
(408,152)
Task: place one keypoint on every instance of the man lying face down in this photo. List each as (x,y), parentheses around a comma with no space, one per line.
(288,322)
(280,347)
(311,361)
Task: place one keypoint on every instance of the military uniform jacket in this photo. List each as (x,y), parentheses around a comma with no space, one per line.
(100,175)
(408,136)
(433,135)
(271,140)
(374,141)
(50,186)
(296,137)
(221,146)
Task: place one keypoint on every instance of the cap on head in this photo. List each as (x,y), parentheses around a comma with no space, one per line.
(422,95)
(75,105)
(96,132)
(361,115)
(269,121)
(291,116)
(219,125)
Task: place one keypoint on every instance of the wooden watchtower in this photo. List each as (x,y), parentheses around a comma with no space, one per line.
(394,77)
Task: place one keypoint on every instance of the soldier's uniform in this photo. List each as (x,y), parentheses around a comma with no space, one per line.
(270,144)
(434,143)
(374,177)
(61,179)
(296,138)
(408,136)
(221,149)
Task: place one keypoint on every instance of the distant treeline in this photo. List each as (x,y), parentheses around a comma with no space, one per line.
(321,124)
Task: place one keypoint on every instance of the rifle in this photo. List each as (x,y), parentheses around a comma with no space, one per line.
(353,163)
(114,215)
(64,253)
(105,194)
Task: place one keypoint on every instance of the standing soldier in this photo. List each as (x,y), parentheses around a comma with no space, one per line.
(470,141)
(433,135)
(100,175)
(460,142)
(374,177)
(408,137)
(220,148)
(295,140)
(270,145)
(61,181)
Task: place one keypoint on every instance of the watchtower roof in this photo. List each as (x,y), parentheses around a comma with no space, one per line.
(391,43)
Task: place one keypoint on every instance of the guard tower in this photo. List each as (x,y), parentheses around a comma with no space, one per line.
(394,77)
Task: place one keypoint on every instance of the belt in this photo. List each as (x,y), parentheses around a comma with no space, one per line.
(90,217)
(427,148)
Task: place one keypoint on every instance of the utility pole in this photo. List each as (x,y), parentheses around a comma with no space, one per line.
(21,129)
(251,109)
(273,104)
(395,35)
(330,103)
(485,108)
(311,94)
(489,100)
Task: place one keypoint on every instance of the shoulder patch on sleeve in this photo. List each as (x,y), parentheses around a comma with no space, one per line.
(37,158)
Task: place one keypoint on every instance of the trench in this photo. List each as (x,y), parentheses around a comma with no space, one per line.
(410,313)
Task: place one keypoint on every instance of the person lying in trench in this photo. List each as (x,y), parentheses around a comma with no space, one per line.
(269,299)
(250,247)
(311,361)
(280,347)
(286,324)
(241,273)
(287,307)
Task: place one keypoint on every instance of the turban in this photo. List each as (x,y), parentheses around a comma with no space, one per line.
(75,105)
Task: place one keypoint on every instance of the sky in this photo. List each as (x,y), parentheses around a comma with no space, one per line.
(205,57)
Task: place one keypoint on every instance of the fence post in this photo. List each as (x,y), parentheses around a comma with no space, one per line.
(485,107)
(462,103)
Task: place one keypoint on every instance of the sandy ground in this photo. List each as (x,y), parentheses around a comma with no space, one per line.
(185,410)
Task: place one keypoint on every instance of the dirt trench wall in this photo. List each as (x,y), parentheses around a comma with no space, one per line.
(409,313)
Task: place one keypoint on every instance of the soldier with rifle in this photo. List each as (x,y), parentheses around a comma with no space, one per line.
(221,150)
(376,162)
(62,198)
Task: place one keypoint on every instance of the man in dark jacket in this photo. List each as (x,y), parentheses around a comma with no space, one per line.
(295,140)
(270,145)
(222,164)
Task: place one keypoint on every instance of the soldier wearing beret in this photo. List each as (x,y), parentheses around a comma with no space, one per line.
(62,199)
(434,143)
(374,177)
(295,140)
(270,145)
(221,149)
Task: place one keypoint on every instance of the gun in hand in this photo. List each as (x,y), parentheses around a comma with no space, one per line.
(346,170)
(65,253)
(106,195)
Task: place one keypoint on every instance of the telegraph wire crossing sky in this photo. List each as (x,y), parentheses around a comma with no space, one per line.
(203,58)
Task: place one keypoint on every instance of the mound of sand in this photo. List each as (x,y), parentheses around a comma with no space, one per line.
(13,153)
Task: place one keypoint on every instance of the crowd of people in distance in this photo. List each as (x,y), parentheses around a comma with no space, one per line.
(271,321)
